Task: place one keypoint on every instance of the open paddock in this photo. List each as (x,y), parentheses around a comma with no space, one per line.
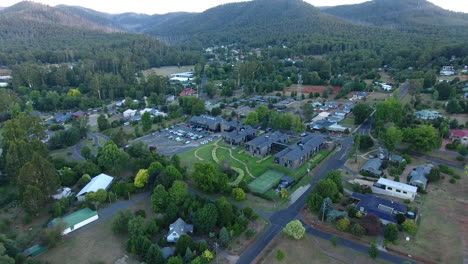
(168,70)
(307,89)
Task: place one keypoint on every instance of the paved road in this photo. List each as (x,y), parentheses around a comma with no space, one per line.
(355,246)
(76,150)
(113,209)
(280,218)
(404,89)
(438,161)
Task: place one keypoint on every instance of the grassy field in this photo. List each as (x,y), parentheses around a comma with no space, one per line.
(377,97)
(94,245)
(256,166)
(348,122)
(312,250)
(443,226)
(168,70)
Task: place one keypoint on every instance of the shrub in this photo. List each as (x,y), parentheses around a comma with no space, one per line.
(407,201)
(456,176)
(294,229)
(343,224)
(373,250)
(400,218)
(453,181)
(357,230)
(334,241)
(410,227)
(391,232)
(250,233)
(280,255)
(238,194)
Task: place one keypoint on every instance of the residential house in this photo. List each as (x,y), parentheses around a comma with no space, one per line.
(335,118)
(395,158)
(372,166)
(262,146)
(182,77)
(337,128)
(395,189)
(284,103)
(316,104)
(427,115)
(129,113)
(153,112)
(418,176)
(460,135)
(207,122)
(321,116)
(239,135)
(359,96)
(332,105)
(385,209)
(320,124)
(447,71)
(386,87)
(243,111)
(75,220)
(178,228)
(78,114)
(62,193)
(101,181)
(348,107)
(297,154)
(188,92)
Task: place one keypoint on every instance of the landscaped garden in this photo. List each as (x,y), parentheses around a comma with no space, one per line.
(246,167)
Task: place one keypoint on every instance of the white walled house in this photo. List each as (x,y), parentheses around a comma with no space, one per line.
(394,189)
(102,181)
(62,193)
(75,220)
(129,113)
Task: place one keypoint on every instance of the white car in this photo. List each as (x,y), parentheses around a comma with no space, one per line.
(187,142)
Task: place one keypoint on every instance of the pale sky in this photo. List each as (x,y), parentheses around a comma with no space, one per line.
(166,6)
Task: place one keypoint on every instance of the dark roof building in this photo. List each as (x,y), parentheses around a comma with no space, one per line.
(240,135)
(297,154)
(373,166)
(78,114)
(207,122)
(262,145)
(385,209)
(419,176)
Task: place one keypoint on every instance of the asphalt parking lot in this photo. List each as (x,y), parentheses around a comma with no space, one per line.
(177,139)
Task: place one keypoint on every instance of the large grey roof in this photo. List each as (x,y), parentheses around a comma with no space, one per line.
(240,132)
(373,165)
(268,139)
(301,148)
(207,120)
(418,174)
(180,227)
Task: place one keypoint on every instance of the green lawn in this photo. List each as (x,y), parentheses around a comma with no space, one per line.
(256,166)
(348,122)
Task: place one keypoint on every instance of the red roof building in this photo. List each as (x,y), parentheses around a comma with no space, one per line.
(458,134)
(188,92)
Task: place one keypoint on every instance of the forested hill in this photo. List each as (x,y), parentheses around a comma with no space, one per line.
(99,18)
(31,32)
(406,15)
(247,21)
(29,13)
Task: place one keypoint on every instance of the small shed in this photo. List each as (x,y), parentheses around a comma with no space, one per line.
(75,220)
(34,251)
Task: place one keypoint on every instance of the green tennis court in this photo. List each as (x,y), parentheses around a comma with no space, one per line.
(266,181)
